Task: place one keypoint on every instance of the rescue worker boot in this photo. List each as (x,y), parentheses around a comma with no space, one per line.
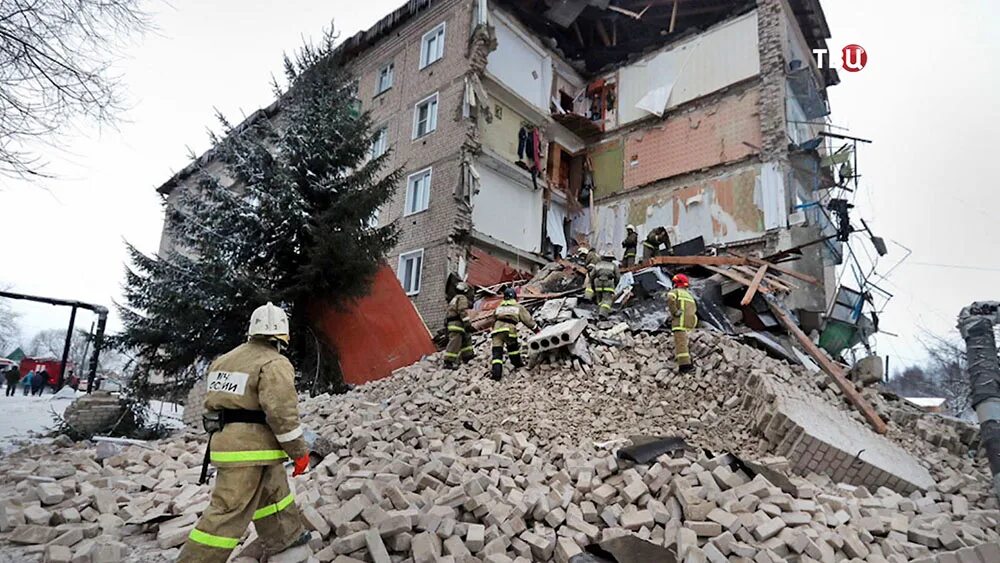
(514,352)
(497,364)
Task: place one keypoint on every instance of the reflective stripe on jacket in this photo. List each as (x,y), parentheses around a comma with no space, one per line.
(508,314)
(255,376)
(683,309)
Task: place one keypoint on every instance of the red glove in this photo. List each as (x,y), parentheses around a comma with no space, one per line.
(301,465)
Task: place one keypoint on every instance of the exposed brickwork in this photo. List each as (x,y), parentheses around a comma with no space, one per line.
(691,140)
(772,38)
(434,228)
(821,439)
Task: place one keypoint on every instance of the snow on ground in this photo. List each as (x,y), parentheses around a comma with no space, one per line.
(24,418)
(20,415)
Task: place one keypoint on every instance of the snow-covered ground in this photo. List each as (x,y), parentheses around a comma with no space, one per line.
(23,418)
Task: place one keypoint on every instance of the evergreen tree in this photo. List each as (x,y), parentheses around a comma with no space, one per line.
(292,228)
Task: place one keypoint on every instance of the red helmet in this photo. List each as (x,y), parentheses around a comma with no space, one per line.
(680,280)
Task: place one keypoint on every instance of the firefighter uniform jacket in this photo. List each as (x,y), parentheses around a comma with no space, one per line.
(256,377)
(508,314)
(683,309)
(629,244)
(605,275)
(458,311)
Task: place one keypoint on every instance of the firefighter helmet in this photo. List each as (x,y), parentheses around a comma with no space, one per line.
(269,320)
(680,280)
(509,293)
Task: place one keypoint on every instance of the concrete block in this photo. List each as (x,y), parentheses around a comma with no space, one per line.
(31,534)
(376,549)
(58,554)
(556,336)
(475,537)
(635,520)
(769,529)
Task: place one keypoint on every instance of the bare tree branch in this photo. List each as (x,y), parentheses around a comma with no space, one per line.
(55,68)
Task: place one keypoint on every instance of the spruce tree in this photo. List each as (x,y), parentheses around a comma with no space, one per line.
(293,227)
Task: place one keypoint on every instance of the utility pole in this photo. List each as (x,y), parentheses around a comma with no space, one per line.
(976,323)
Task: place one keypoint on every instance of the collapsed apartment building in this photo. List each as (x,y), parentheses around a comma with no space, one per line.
(525,130)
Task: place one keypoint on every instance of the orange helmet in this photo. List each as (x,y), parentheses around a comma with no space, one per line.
(680,280)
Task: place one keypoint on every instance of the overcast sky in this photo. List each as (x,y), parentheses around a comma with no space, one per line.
(927,98)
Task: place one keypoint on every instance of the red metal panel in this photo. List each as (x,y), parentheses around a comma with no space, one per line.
(486,270)
(379,333)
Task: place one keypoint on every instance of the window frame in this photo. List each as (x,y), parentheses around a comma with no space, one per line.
(407,205)
(403,269)
(440,30)
(380,133)
(431,119)
(379,90)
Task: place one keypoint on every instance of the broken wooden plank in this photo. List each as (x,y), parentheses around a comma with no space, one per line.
(673,17)
(782,269)
(735,276)
(754,285)
(575,267)
(690,261)
(787,271)
(835,371)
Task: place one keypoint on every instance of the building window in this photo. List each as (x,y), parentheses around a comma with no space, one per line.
(384,79)
(418,191)
(410,269)
(425,116)
(432,46)
(380,142)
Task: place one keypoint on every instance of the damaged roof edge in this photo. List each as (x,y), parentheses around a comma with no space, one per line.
(809,14)
(350,48)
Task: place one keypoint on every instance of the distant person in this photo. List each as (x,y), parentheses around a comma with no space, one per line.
(39,382)
(27,380)
(12,376)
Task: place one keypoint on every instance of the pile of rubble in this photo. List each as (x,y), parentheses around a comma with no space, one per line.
(435,465)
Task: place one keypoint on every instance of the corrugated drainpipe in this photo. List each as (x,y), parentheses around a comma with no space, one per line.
(976,324)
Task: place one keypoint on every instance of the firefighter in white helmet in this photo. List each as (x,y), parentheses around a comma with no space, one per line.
(253,422)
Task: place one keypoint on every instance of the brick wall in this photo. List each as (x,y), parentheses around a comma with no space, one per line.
(440,150)
(772,38)
(715,134)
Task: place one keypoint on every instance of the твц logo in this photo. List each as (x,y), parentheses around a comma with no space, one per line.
(853,57)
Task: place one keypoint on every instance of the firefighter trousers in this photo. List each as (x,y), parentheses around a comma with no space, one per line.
(628,260)
(605,300)
(459,345)
(242,495)
(501,340)
(682,353)
(649,252)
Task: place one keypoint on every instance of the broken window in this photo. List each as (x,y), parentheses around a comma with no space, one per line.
(425,116)
(418,191)
(410,269)
(384,79)
(380,142)
(432,45)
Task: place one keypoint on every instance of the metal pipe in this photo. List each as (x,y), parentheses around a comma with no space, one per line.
(976,324)
(65,353)
(102,322)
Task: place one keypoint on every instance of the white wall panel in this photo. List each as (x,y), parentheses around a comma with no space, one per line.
(521,65)
(698,66)
(507,210)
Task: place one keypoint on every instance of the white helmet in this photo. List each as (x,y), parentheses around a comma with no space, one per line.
(630,228)
(583,250)
(268,320)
